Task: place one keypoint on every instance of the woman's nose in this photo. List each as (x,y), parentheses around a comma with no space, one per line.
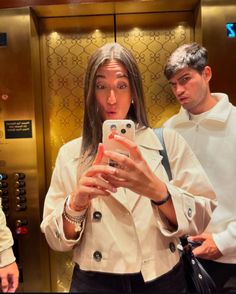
(112,97)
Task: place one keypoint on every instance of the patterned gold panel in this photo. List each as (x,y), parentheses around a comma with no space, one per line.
(152,37)
(66,44)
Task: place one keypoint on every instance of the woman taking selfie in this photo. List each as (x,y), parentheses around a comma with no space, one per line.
(123,222)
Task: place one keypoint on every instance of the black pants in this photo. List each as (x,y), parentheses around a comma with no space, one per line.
(96,282)
(223,274)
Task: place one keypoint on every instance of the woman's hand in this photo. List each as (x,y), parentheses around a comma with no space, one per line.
(134,172)
(92,183)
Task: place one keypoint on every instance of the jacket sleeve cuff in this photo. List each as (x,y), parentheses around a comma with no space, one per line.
(165,226)
(185,210)
(52,227)
(225,242)
(6,257)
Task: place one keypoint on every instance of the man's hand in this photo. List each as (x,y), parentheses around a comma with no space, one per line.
(208,249)
(9,275)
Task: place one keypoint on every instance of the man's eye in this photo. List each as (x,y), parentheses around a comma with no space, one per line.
(184,80)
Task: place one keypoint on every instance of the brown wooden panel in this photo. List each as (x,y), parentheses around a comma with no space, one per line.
(47,8)
(222,57)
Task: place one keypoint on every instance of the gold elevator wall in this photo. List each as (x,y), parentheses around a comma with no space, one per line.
(66,44)
(59,61)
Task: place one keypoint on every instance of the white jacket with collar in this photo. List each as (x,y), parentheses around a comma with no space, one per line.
(213,140)
(131,235)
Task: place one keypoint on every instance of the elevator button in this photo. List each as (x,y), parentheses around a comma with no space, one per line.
(19,184)
(3,184)
(19,176)
(3,176)
(20,199)
(21,222)
(20,192)
(5,199)
(3,192)
(22,230)
(21,206)
(5,207)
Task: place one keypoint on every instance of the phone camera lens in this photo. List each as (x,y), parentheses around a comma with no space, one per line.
(128,126)
(113,127)
(123,131)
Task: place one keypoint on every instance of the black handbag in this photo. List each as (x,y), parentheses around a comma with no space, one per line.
(197,278)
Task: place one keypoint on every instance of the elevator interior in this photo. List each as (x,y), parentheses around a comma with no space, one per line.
(42,64)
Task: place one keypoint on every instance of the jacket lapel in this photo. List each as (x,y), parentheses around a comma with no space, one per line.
(149,145)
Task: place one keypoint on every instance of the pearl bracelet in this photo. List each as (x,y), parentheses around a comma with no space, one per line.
(74,220)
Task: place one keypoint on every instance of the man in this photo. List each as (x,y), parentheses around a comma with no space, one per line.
(9,273)
(208,122)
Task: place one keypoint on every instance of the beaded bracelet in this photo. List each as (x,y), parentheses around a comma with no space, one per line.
(163,201)
(74,220)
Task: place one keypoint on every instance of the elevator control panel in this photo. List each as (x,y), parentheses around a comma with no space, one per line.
(13,194)
(4,193)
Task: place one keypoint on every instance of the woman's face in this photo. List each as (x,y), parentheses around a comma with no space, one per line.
(112,90)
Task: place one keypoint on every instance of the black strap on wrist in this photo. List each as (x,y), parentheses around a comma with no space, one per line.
(163,201)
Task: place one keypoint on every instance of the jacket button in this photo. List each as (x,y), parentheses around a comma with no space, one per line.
(97,255)
(190,212)
(172,247)
(58,235)
(97,215)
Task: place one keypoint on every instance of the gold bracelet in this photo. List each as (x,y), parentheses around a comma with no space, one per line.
(81,208)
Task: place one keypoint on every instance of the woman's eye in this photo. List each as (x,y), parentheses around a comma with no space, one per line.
(122,86)
(100,87)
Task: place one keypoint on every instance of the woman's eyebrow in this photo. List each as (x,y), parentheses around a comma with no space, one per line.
(100,76)
(122,75)
(118,75)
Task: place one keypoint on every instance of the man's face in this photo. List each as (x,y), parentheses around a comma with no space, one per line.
(191,88)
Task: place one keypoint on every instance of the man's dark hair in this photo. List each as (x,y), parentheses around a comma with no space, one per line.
(188,55)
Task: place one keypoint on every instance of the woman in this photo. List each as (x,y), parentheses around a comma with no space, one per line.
(123,224)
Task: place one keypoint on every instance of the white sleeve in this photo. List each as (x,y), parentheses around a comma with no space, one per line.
(192,194)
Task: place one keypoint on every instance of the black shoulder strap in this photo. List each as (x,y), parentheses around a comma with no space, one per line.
(166,164)
(165,160)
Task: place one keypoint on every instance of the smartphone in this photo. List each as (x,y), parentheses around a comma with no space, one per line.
(123,127)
